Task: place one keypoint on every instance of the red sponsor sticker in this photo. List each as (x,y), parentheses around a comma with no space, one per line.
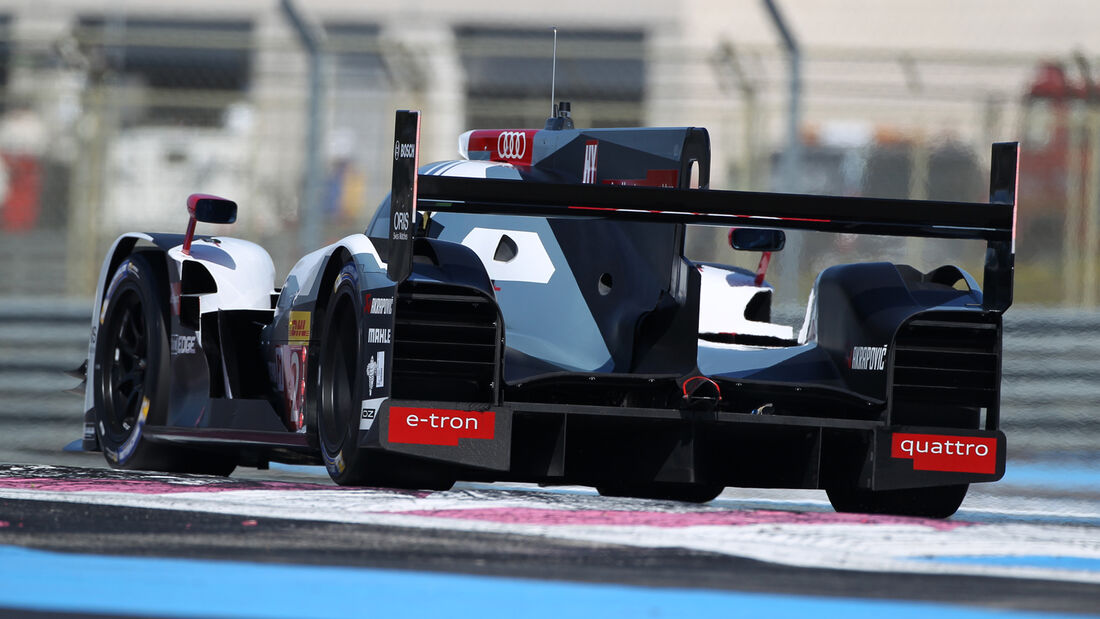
(439,426)
(937,452)
(513,146)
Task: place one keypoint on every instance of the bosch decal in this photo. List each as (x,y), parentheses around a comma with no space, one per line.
(298,330)
(435,426)
(957,454)
(868,358)
(403,151)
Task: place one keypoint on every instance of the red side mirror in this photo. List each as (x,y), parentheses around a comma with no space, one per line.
(208,209)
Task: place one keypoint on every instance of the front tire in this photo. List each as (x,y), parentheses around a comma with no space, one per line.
(131,368)
(131,376)
(935,502)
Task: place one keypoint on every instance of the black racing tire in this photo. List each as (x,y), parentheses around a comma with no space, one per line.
(934,502)
(338,404)
(686,493)
(340,385)
(131,376)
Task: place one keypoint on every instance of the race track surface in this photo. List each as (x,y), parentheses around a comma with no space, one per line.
(286,542)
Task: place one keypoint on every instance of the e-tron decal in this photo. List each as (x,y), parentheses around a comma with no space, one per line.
(531,262)
(437,426)
(956,454)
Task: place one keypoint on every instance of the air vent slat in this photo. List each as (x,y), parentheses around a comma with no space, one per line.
(947,359)
(446,344)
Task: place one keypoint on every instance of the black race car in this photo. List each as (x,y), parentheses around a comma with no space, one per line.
(528,313)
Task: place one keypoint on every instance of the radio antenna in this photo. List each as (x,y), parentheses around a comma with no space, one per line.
(554,73)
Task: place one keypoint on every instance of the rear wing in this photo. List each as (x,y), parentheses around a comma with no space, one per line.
(994,222)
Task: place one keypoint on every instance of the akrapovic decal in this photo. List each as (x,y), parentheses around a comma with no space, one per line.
(868,358)
(379,305)
(437,426)
(936,452)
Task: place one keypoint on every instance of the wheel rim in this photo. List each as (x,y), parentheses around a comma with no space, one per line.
(339,362)
(128,360)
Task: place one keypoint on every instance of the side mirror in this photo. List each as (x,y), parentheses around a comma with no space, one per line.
(207,209)
(211,209)
(757,239)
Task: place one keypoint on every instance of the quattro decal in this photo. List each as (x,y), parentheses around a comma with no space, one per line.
(937,452)
(437,426)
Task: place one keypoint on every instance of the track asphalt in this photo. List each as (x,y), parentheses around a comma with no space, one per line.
(83,540)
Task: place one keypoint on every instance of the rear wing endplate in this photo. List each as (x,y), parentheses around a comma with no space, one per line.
(994,222)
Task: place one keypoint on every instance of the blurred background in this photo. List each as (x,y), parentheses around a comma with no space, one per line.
(111,113)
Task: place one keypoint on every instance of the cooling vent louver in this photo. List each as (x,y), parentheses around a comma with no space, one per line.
(948,358)
(446,344)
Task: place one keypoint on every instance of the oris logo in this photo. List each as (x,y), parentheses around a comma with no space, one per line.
(512,145)
(403,151)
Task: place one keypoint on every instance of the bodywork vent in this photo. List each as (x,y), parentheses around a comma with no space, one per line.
(950,359)
(447,344)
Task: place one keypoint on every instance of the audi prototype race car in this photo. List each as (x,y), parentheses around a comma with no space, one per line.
(527,313)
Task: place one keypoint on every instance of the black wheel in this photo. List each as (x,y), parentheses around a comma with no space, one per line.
(341,388)
(131,376)
(687,493)
(936,502)
(337,421)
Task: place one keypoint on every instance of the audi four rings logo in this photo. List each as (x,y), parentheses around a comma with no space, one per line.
(512,145)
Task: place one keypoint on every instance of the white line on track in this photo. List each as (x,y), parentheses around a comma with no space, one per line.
(803,533)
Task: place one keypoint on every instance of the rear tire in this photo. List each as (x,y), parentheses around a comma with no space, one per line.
(131,376)
(935,502)
(338,406)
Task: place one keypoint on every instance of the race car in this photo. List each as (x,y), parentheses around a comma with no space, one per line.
(527,313)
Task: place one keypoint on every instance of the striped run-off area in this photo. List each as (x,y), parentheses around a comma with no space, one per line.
(798,532)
